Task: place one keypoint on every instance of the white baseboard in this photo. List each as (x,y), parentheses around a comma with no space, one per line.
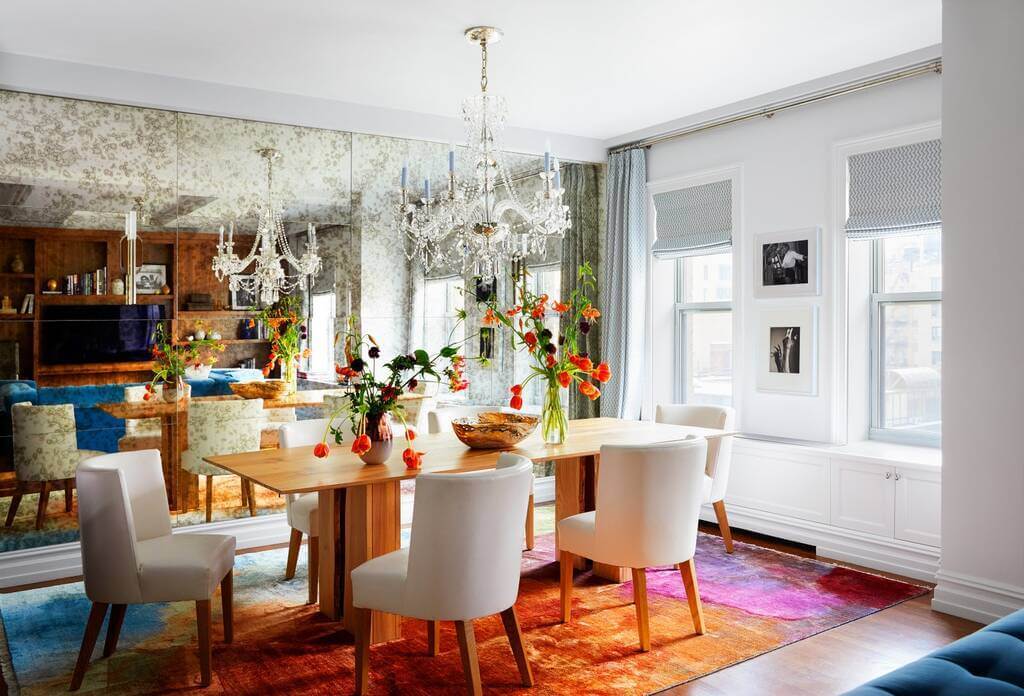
(544,490)
(975,598)
(61,561)
(890,555)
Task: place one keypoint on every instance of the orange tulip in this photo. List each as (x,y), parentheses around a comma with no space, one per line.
(412,458)
(516,389)
(560,306)
(361,445)
(410,434)
(564,378)
(551,362)
(516,402)
(530,339)
(590,312)
(321,450)
(589,390)
(602,373)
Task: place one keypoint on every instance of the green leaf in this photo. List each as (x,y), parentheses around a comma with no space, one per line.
(422,357)
(449,352)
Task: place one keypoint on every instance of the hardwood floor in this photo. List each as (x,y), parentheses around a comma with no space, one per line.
(837,660)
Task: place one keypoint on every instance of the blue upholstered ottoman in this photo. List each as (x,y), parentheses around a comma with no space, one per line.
(987,663)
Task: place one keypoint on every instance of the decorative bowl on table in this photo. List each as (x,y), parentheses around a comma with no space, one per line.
(493,430)
(267,389)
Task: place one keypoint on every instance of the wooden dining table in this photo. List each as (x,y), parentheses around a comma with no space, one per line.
(360,504)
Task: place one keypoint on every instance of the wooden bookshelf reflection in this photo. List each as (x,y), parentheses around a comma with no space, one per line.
(100,299)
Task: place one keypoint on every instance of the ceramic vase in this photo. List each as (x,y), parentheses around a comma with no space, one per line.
(381,439)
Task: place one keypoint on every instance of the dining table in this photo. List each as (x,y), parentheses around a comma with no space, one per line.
(359,510)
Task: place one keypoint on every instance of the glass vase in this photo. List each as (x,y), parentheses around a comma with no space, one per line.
(291,376)
(553,421)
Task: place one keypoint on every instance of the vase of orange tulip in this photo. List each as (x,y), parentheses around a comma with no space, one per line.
(286,333)
(557,361)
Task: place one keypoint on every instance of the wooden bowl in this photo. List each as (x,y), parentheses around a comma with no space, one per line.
(494,430)
(267,389)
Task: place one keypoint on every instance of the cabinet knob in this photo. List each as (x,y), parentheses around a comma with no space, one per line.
(888,474)
(897,476)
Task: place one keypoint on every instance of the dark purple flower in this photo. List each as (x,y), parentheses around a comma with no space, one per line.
(584,326)
(357,365)
(374,352)
(551,348)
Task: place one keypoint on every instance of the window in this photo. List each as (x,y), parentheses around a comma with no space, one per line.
(704,329)
(906,319)
(543,280)
(442,301)
(321,335)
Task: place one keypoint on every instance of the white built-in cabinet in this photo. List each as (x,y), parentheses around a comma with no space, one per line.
(861,507)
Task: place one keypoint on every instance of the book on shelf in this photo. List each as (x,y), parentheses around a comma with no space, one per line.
(28,304)
(91,283)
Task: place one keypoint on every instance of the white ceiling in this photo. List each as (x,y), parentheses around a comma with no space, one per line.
(594,68)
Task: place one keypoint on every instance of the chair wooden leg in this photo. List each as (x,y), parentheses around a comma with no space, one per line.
(529,524)
(643,623)
(67,494)
(515,639)
(313,564)
(209,498)
(433,638)
(723,524)
(689,572)
(565,561)
(44,499)
(205,650)
(470,663)
(114,628)
(362,631)
(12,511)
(252,498)
(294,544)
(245,492)
(227,605)
(92,630)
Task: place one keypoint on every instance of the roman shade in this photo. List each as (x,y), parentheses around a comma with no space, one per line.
(895,191)
(695,220)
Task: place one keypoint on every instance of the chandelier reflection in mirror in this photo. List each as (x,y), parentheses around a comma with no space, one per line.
(482,222)
(273,255)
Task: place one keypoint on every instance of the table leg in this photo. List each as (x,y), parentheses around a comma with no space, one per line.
(372,528)
(168,435)
(330,530)
(571,494)
(603,570)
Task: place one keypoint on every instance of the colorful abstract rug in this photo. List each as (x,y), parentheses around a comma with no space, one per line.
(755,600)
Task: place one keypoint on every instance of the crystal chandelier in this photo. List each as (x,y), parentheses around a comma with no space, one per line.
(482,222)
(270,251)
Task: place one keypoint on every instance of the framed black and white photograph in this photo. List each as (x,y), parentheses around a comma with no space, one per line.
(242,298)
(787,264)
(485,290)
(787,351)
(487,342)
(150,278)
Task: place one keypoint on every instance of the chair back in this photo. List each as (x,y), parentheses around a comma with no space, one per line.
(121,500)
(221,427)
(304,433)
(648,502)
(719,449)
(465,547)
(45,442)
(439,420)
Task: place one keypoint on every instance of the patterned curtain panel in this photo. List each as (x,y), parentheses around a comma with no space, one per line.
(625,283)
(895,191)
(580,245)
(694,220)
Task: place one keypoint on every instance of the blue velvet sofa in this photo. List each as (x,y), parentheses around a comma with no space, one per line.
(987,663)
(98,430)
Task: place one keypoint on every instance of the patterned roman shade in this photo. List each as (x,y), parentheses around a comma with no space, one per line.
(695,220)
(895,191)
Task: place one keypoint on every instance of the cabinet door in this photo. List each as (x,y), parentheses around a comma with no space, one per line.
(862,496)
(783,481)
(918,502)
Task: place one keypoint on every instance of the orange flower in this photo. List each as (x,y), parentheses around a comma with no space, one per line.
(513,311)
(146,396)
(530,339)
(551,360)
(590,312)
(252,323)
(412,458)
(516,402)
(589,390)
(581,362)
(564,378)
(266,370)
(516,389)
(361,445)
(538,312)
(489,318)
(306,353)
(602,373)
(321,450)
(410,434)
(560,306)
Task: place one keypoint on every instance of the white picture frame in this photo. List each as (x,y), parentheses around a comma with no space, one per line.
(801,274)
(787,350)
(242,299)
(150,279)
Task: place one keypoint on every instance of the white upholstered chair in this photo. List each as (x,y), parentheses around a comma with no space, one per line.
(45,454)
(463,563)
(648,504)
(302,508)
(129,555)
(222,427)
(716,470)
(439,420)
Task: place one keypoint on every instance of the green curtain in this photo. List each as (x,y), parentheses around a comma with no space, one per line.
(580,245)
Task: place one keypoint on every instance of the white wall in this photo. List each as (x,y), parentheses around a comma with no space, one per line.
(787,166)
(982,568)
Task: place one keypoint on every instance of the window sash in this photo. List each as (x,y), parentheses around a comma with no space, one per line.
(683,312)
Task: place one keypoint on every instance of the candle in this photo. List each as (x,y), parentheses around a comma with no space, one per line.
(426,188)
(309,233)
(547,155)
(221,241)
(451,160)
(405,175)
(558,179)
(231,232)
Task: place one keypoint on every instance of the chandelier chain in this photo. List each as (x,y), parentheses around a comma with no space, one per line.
(483,65)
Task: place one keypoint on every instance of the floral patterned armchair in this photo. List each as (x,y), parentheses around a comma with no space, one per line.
(45,452)
(222,427)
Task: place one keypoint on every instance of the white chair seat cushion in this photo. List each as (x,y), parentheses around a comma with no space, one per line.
(302,513)
(576,534)
(183,567)
(380,582)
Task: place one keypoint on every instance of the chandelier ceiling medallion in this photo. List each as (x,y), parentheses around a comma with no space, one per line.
(482,222)
(270,250)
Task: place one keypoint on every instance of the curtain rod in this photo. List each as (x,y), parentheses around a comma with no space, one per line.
(769,110)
